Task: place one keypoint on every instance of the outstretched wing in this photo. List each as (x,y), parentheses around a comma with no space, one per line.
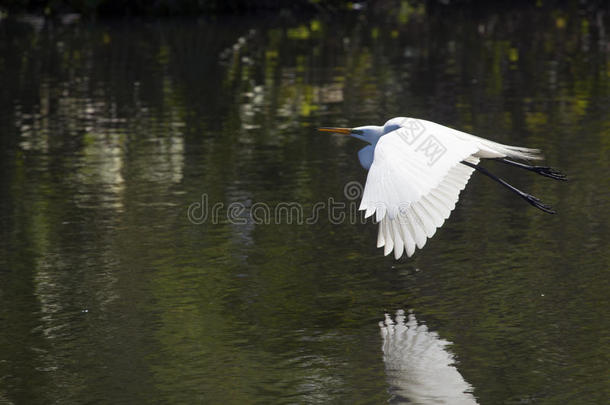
(418,221)
(414,183)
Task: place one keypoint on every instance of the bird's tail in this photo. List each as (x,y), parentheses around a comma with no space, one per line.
(495,149)
(518,152)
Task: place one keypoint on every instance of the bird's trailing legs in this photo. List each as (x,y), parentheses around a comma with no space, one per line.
(542,170)
(527,197)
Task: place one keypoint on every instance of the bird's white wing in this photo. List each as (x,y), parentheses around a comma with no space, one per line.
(486,148)
(407,166)
(414,184)
(418,221)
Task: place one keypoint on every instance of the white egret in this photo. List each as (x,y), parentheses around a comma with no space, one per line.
(417,170)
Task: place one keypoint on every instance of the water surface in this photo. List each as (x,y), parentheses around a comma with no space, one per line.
(110,131)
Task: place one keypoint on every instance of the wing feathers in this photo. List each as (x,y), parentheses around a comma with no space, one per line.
(436,212)
(486,148)
(399,244)
(380,237)
(404,169)
(413,224)
(409,242)
(425,218)
(415,179)
(413,229)
(443,201)
(389,242)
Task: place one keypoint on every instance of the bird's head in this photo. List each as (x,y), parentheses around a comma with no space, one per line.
(367,133)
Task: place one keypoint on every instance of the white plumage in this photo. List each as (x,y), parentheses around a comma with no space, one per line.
(417,170)
(416,178)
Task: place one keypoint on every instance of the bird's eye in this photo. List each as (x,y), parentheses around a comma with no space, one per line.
(357,131)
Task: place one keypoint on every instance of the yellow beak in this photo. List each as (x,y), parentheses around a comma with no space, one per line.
(345,131)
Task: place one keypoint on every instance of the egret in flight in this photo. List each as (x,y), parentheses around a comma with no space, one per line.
(416,171)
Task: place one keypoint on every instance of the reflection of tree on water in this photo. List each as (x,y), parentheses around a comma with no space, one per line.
(418,365)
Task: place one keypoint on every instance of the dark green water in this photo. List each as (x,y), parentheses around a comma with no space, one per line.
(110,131)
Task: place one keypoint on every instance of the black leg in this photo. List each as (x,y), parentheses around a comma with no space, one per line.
(527,197)
(542,170)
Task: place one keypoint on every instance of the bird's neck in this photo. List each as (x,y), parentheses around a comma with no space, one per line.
(373,134)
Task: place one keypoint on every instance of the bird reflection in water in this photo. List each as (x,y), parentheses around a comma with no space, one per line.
(418,365)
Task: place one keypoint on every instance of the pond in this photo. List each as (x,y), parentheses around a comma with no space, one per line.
(144,256)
